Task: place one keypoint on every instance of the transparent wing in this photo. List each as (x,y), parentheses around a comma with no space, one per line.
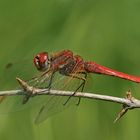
(55,104)
(47,105)
(8,73)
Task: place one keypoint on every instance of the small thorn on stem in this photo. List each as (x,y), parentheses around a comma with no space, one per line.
(121,113)
(129,96)
(125,107)
(30,91)
(26,87)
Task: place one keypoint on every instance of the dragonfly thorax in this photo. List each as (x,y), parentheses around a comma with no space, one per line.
(42,61)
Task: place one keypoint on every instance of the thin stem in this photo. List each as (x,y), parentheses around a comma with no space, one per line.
(128,103)
(135,103)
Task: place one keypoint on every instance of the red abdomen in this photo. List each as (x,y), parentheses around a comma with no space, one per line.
(92,67)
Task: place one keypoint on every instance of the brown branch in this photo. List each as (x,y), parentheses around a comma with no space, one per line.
(128,103)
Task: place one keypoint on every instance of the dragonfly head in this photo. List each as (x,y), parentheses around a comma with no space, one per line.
(42,61)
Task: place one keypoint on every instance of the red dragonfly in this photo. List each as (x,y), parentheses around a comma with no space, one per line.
(68,64)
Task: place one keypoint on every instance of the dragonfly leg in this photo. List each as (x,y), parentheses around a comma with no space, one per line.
(50,82)
(27,97)
(32,79)
(81,85)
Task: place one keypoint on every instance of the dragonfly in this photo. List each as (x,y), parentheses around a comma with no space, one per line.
(66,63)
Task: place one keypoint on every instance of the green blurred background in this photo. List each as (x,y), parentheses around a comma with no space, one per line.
(107,32)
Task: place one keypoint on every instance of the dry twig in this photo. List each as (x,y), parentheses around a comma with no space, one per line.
(127,103)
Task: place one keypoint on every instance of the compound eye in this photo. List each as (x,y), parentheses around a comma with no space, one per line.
(37,61)
(41,61)
(43,58)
